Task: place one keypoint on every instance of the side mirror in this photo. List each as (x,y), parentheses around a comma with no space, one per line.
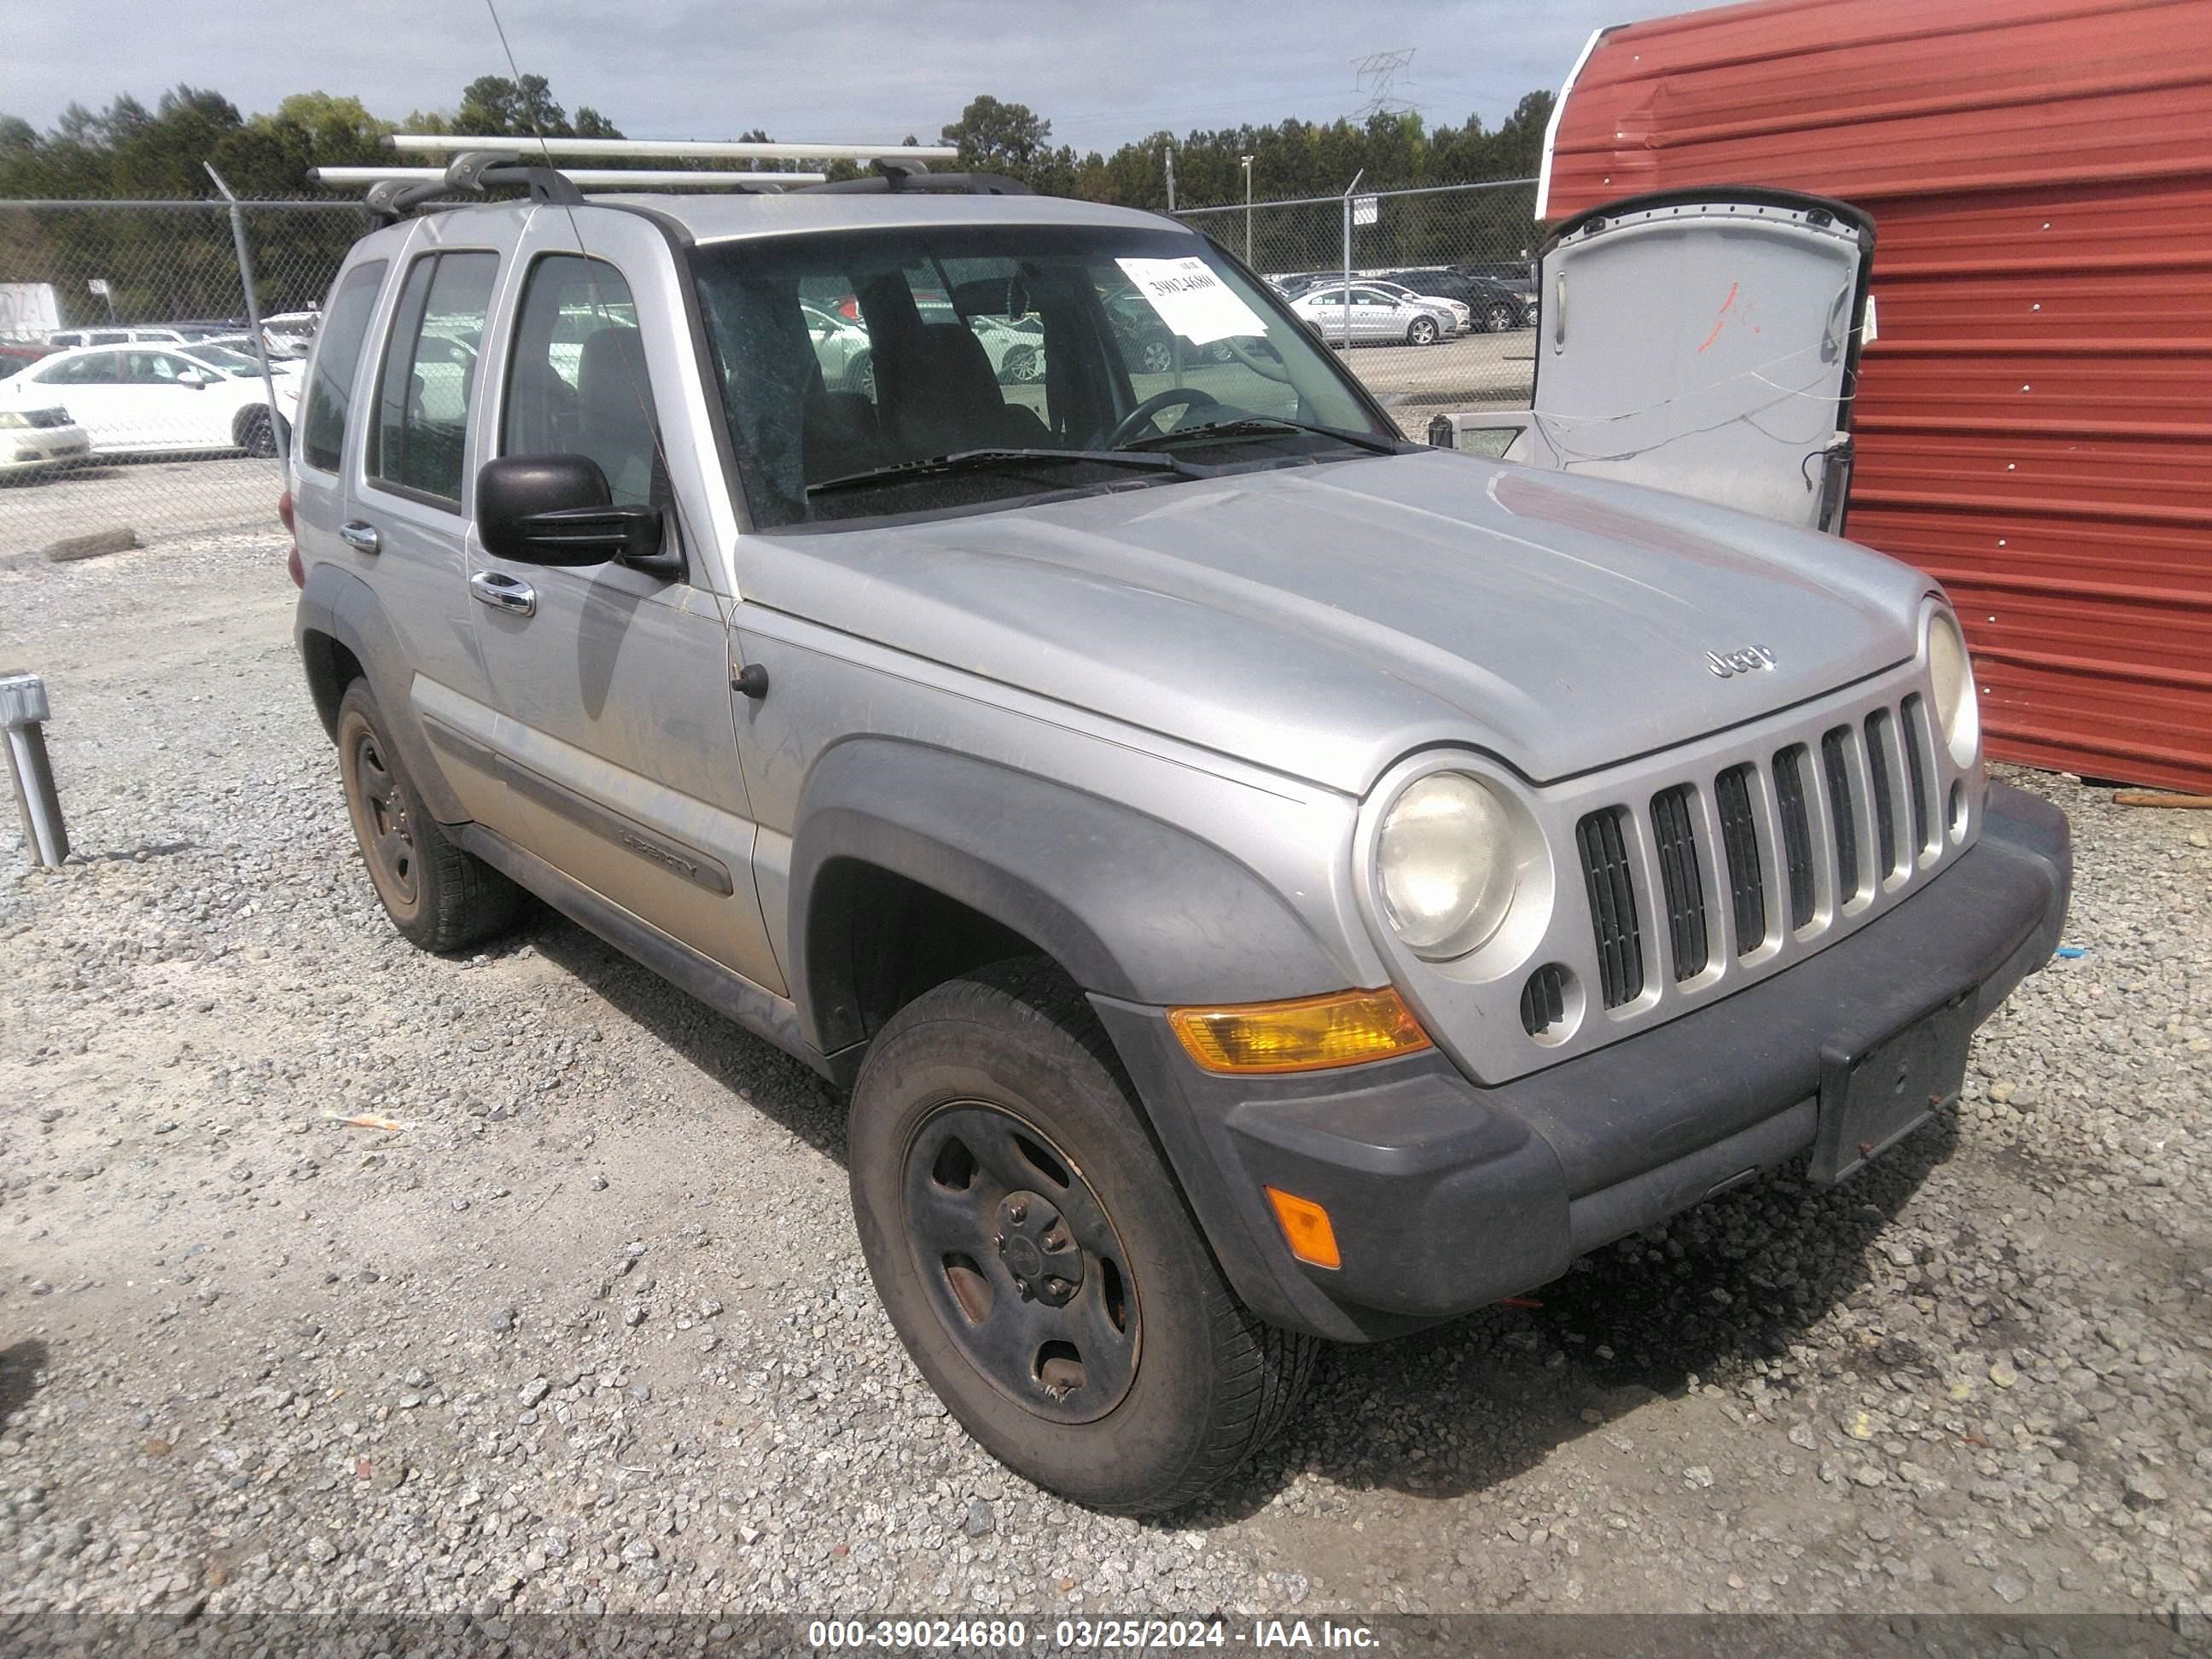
(557,510)
(192,377)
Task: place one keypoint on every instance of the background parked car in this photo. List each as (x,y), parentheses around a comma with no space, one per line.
(16,355)
(1462,319)
(35,439)
(147,400)
(841,349)
(1374,316)
(64,339)
(1494,307)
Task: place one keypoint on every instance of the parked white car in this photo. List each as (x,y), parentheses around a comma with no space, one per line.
(1374,316)
(151,400)
(32,440)
(1462,317)
(65,339)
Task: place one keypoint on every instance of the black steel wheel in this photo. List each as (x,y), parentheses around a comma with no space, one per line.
(1037,1257)
(1021,1261)
(438,895)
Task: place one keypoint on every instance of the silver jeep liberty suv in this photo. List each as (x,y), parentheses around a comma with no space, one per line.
(1261,881)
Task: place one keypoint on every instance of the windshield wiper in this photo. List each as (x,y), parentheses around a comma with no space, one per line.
(986,460)
(1258,425)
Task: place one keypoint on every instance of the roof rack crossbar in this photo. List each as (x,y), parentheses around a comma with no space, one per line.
(675,149)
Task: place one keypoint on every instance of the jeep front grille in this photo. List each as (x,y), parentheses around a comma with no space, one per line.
(1739,841)
(1613,905)
(1842,812)
(1676,842)
(1874,796)
(1917,763)
(1797,832)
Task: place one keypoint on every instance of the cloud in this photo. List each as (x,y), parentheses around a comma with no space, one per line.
(861,69)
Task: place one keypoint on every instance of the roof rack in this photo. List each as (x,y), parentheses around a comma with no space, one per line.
(394,193)
(692,149)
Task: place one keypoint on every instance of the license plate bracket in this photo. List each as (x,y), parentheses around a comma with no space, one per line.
(1872,1099)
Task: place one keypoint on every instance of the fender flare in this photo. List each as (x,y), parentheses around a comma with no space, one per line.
(1130,906)
(337,606)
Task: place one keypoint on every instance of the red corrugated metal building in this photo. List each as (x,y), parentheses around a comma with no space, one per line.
(2034,417)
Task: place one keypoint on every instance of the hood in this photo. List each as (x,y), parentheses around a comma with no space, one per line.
(1322,620)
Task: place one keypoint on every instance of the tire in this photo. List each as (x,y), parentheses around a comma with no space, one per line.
(257,434)
(1500,318)
(1155,354)
(1021,365)
(860,375)
(990,1116)
(1421,331)
(438,897)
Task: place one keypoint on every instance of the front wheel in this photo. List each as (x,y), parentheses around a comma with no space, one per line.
(1037,1260)
(1421,331)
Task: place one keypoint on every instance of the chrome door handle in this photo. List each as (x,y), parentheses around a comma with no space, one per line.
(504,592)
(360,536)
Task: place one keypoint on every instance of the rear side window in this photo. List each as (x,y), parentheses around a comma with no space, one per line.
(428,380)
(345,327)
(578,386)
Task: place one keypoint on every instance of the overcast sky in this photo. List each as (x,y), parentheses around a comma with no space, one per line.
(860,70)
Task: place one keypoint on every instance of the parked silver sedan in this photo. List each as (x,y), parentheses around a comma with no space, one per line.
(1374,315)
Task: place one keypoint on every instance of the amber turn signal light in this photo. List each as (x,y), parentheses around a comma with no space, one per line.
(1306,1225)
(1311,1034)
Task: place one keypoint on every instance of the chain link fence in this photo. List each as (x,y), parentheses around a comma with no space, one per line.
(132,394)
(1440,311)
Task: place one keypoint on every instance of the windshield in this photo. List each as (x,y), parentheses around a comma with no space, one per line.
(1056,350)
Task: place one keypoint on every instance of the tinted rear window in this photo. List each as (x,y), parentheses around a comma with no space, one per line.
(323,421)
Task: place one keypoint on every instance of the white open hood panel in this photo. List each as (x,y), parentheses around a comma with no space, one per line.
(1703,341)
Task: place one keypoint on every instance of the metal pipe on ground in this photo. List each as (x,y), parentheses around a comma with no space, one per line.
(23,714)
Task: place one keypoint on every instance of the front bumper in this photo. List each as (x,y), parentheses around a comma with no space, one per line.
(1446,1195)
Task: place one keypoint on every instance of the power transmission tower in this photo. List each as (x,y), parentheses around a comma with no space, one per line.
(1373,75)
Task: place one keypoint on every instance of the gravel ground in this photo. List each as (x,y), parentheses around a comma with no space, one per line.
(591,1330)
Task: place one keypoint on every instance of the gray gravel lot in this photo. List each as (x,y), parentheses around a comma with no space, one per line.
(592,1330)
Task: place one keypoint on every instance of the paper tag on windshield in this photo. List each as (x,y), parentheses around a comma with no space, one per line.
(1191,300)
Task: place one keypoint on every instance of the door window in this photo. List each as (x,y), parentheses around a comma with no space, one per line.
(427,380)
(323,421)
(156,369)
(578,386)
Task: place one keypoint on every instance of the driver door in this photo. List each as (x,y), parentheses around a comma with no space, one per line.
(614,733)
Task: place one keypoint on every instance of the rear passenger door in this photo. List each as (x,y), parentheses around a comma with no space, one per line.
(611,682)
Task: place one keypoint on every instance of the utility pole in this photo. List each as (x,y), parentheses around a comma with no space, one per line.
(1248,207)
(1168,149)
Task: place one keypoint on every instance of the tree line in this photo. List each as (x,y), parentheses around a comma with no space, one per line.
(161,263)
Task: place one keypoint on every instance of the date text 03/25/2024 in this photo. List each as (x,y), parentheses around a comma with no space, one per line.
(1090,1635)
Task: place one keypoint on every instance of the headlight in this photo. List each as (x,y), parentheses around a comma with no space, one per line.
(1957,711)
(1445,860)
